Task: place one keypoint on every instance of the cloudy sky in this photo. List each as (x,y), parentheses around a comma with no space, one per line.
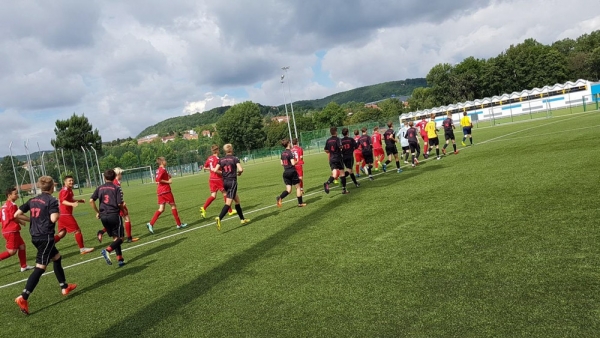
(129,64)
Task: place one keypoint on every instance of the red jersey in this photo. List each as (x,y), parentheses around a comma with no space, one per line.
(298,155)
(211,163)
(116,182)
(162,175)
(358,149)
(376,139)
(66,194)
(421,125)
(9,224)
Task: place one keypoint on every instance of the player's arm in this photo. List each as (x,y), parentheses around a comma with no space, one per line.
(240,170)
(217,169)
(53,209)
(93,203)
(294,161)
(120,201)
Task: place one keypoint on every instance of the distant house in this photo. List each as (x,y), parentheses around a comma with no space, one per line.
(206,133)
(147,139)
(280,119)
(166,139)
(190,135)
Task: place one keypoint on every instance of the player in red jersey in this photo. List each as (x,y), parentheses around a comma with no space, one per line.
(215,181)
(66,222)
(421,126)
(299,156)
(378,153)
(117,181)
(163,190)
(358,157)
(11,229)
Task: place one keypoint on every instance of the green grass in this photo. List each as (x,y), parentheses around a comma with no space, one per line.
(500,240)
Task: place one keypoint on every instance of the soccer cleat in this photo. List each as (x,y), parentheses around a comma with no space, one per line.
(301,205)
(131,239)
(463,144)
(413,165)
(326,187)
(425,156)
(84,251)
(444,151)
(23,305)
(244,221)
(371,178)
(182,225)
(202,212)
(106,256)
(150,228)
(456,152)
(99,235)
(384,167)
(121,263)
(344,192)
(28,267)
(68,289)
(405,162)
(357,175)
(218,220)
(336,181)
(399,170)
(278,201)
(365,170)
(438,158)
(416,162)
(233,212)
(357,185)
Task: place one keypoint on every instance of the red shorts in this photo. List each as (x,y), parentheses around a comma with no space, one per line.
(215,185)
(166,198)
(121,212)
(13,240)
(425,138)
(358,157)
(300,170)
(378,152)
(68,223)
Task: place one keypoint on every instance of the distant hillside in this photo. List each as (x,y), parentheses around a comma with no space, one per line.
(363,94)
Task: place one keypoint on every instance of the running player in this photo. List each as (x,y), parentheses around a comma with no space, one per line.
(360,163)
(421,126)
(163,190)
(112,207)
(377,148)
(230,168)
(44,212)
(465,123)
(432,135)
(333,147)
(403,141)
(299,156)
(390,147)
(11,229)
(348,147)
(413,143)
(290,174)
(449,133)
(367,151)
(125,215)
(215,181)
(67,223)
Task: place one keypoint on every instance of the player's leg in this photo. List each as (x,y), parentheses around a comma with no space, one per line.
(238,208)
(62,232)
(157,213)
(231,189)
(176,215)
(454,143)
(287,191)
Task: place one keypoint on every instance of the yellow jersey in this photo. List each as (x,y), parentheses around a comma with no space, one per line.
(431,129)
(465,121)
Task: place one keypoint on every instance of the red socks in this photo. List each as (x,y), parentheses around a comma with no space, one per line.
(4,255)
(22,258)
(56,239)
(78,239)
(127,228)
(176,216)
(209,200)
(155,217)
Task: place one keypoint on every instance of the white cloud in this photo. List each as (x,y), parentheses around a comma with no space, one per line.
(211,101)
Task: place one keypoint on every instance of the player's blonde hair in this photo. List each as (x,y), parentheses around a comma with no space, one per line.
(432,115)
(160,160)
(46,183)
(118,171)
(228,148)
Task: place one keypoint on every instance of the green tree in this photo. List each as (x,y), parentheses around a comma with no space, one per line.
(148,156)
(439,79)
(421,99)
(276,132)
(331,116)
(593,64)
(109,162)
(242,126)
(75,132)
(129,160)
(391,109)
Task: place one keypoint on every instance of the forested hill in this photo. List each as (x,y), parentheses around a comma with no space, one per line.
(363,94)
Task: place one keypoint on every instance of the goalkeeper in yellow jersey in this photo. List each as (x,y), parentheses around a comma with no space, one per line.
(465,123)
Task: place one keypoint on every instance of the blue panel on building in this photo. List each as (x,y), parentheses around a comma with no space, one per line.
(554,99)
(511,107)
(596,92)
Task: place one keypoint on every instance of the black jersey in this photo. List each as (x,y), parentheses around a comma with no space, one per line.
(388,136)
(448,124)
(286,160)
(334,146)
(348,147)
(411,135)
(41,208)
(228,165)
(365,143)
(110,196)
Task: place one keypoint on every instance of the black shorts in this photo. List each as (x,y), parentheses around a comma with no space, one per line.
(291,177)
(45,249)
(406,149)
(113,225)
(368,156)
(391,150)
(449,135)
(466,130)
(434,141)
(336,164)
(230,188)
(413,146)
(349,162)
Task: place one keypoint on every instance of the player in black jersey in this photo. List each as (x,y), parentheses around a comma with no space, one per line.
(111,207)
(348,147)
(43,216)
(367,151)
(230,168)
(333,147)
(390,147)
(413,143)
(449,133)
(290,174)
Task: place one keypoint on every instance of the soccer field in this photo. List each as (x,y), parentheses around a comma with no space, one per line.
(500,240)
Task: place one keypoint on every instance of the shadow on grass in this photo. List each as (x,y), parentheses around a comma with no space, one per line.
(154,251)
(147,318)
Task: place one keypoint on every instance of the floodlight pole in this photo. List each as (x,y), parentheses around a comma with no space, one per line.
(57,162)
(76,173)
(291,101)
(43,164)
(31,175)
(285,105)
(87,168)
(97,164)
(15,172)
(62,151)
